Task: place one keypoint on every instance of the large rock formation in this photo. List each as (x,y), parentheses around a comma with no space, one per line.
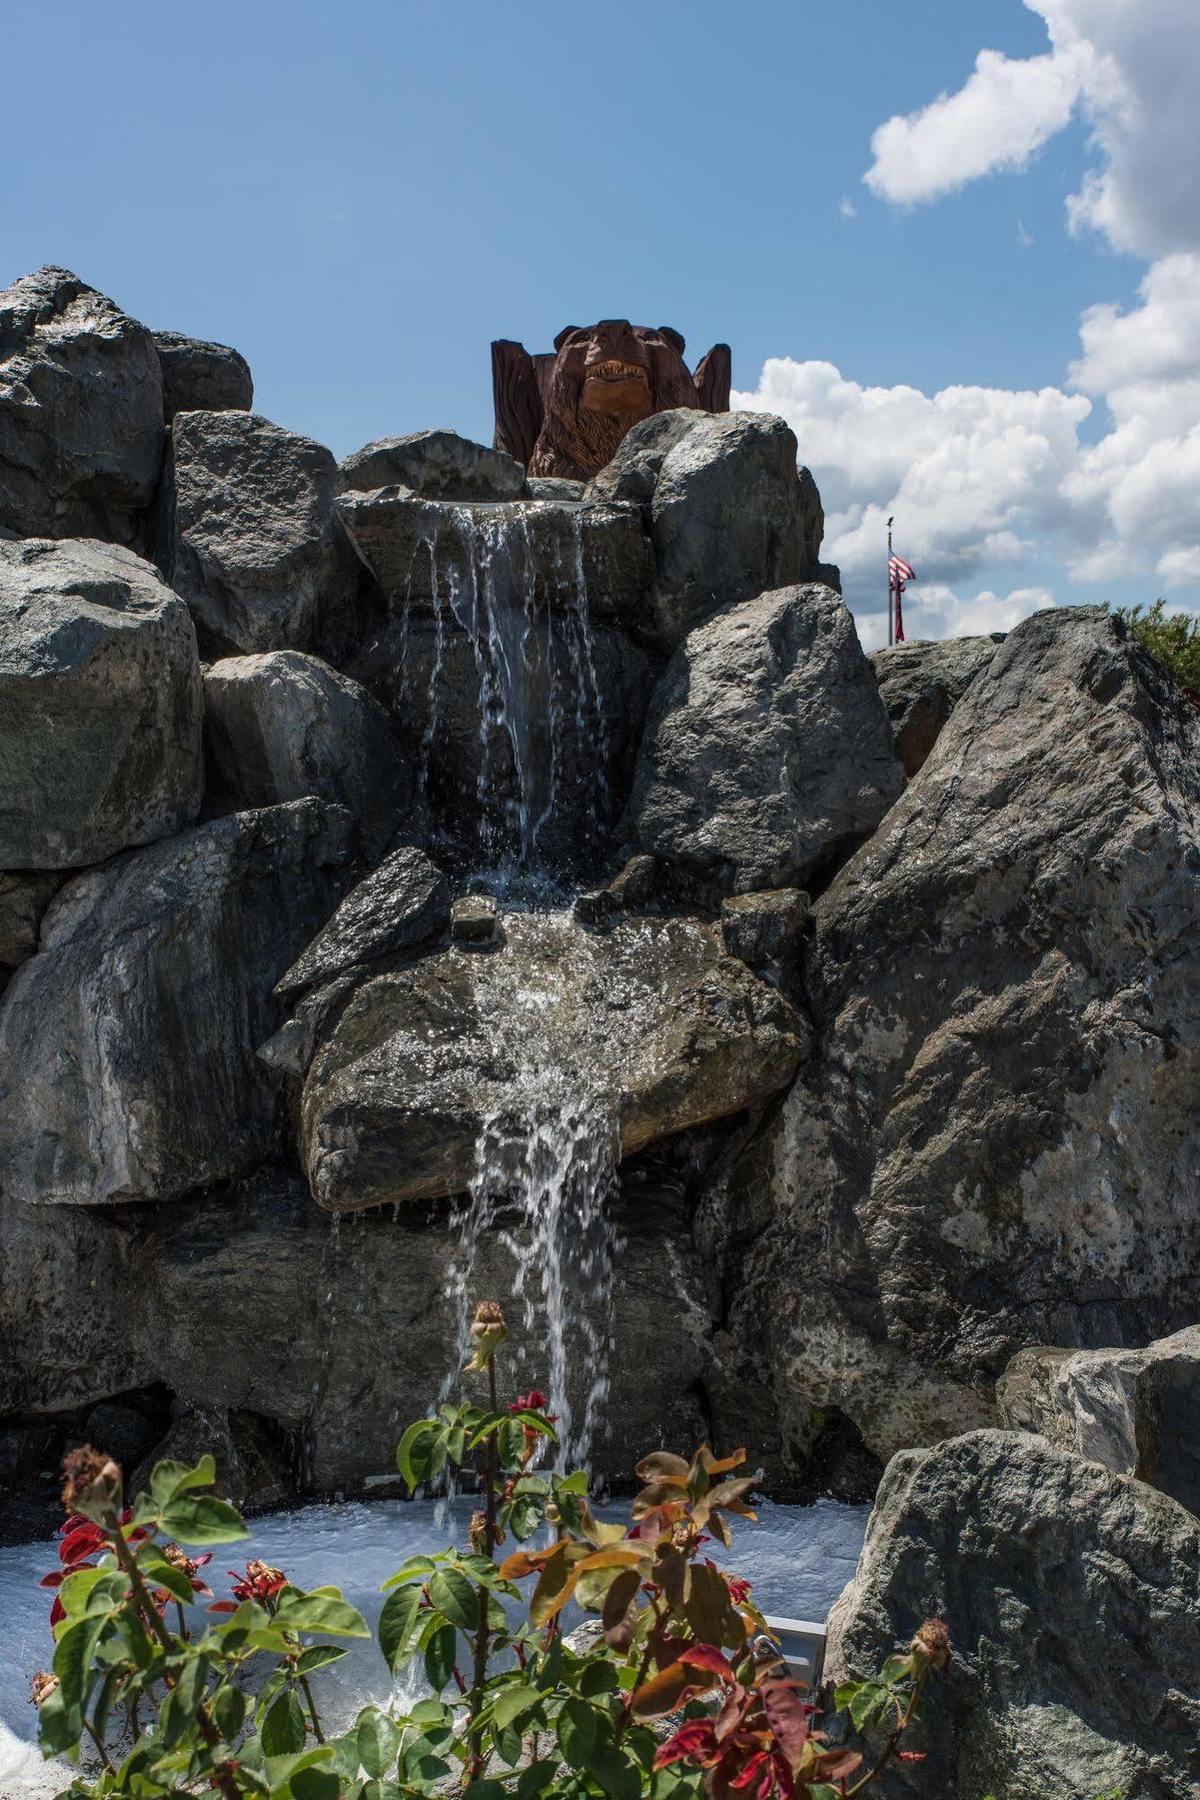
(127,1065)
(81,411)
(201,377)
(729,513)
(640,1033)
(403,902)
(767,752)
(1073,1601)
(997,1142)
(245,530)
(1135,1411)
(921,683)
(282,725)
(99,705)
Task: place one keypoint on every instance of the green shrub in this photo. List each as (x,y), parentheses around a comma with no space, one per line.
(175,1697)
(1173,639)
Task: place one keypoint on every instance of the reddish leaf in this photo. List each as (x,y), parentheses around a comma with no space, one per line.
(524,1562)
(693,1742)
(621,1610)
(705,1656)
(662,1466)
(788,1717)
(714,1465)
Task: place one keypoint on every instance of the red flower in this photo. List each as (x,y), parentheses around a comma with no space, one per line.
(260,1582)
(739,1590)
(79,1539)
(533,1401)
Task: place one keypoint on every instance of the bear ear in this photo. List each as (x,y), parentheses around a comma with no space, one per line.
(673,337)
(563,335)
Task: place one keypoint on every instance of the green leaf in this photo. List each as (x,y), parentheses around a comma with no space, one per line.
(486,1790)
(416,1565)
(618,1773)
(440,1653)
(167,1478)
(455,1598)
(160,1573)
(315,1784)
(73,1660)
(200,1519)
(228,1707)
(417,1452)
(524,1516)
(284,1731)
(378,1741)
(512,1703)
(599,1677)
(863,1700)
(319,1656)
(400,1626)
(320,1612)
(509,1745)
(578,1732)
(537,1779)
(59,1724)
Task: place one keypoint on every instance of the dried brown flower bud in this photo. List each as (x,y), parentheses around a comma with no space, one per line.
(91,1483)
(178,1559)
(42,1686)
(488,1331)
(477,1535)
(931,1645)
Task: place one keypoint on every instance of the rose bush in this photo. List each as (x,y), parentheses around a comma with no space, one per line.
(168,1690)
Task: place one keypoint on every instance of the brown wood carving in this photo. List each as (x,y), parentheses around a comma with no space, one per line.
(566,414)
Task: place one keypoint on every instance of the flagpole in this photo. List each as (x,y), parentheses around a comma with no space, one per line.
(891,608)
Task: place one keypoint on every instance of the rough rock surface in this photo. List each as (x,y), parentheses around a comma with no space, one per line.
(997,1143)
(245,530)
(651,1028)
(1073,1601)
(100,704)
(1135,1411)
(331,1333)
(127,1065)
(437,465)
(24,897)
(81,411)
(921,683)
(253,1465)
(201,377)
(729,512)
(401,903)
(765,929)
(284,724)
(767,751)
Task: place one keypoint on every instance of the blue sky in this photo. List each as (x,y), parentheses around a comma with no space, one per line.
(361,197)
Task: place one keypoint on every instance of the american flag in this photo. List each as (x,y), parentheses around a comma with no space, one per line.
(899,570)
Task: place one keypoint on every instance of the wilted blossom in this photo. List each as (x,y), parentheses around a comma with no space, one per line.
(488,1332)
(91,1482)
(43,1685)
(931,1646)
(533,1401)
(187,1565)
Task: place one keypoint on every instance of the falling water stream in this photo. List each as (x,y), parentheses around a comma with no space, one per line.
(544,1172)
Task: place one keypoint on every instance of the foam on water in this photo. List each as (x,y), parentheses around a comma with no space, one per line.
(798,1557)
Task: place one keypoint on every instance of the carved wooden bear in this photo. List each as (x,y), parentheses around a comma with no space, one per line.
(566,413)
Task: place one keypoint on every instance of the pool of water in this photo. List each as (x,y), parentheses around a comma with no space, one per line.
(798,1558)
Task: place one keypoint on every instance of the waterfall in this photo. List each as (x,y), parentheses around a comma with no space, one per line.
(535,1229)
(508,582)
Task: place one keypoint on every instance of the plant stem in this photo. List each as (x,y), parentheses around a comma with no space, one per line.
(889,1749)
(99,1743)
(312,1710)
(483,1637)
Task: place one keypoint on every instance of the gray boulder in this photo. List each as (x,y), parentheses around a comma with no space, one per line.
(729,512)
(100,705)
(252,1455)
(997,1143)
(1135,1411)
(766,929)
(437,465)
(245,530)
(282,725)
(1073,1601)
(201,377)
(921,683)
(24,897)
(767,752)
(127,1065)
(648,1029)
(400,904)
(81,411)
